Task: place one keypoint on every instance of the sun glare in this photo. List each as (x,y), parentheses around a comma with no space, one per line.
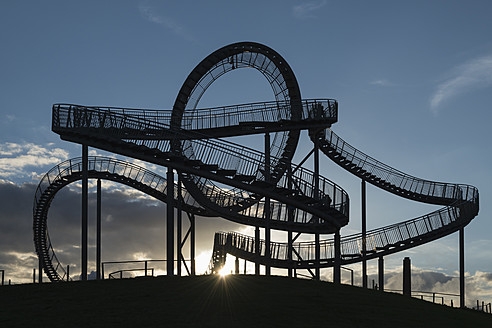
(224,272)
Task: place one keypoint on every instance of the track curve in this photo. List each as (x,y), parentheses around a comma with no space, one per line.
(461,206)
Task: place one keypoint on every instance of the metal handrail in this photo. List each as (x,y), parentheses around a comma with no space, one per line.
(227,155)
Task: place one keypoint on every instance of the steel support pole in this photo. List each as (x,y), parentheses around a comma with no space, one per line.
(317,251)
(85,205)
(338,258)
(40,274)
(290,218)
(364,232)
(462,267)
(192,244)
(170,223)
(381,273)
(179,228)
(98,231)
(267,206)
(407,277)
(257,250)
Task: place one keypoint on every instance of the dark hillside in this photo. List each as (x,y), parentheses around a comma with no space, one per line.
(209,301)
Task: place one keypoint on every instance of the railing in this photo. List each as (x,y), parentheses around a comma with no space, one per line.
(446,192)
(227,155)
(228,116)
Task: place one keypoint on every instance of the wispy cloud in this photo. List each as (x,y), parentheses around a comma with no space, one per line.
(382,83)
(149,14)
(307,9)
(474,74)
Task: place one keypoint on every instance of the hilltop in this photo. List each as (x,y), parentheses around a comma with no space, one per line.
(211,301)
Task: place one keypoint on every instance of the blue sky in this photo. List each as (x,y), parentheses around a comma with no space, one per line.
(413,81)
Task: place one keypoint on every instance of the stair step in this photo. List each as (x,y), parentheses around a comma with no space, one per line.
(225,172)
(209,167)
(244,178)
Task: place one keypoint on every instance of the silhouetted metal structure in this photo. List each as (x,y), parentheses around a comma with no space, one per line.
(265,189)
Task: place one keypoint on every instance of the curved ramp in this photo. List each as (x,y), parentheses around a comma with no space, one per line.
(462,205)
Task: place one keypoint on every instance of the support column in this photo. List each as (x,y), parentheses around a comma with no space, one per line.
(192,245)
(85,205)
(381,273)
(40,274)
(338,258)
(257,250)
(462,267)
(290,218)
(317,251)
(236,264)
(170,223)
(407,277)
(98,231)
(179,228)
(364,232)
(267,206)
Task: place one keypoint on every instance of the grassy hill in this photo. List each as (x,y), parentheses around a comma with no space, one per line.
(209,301)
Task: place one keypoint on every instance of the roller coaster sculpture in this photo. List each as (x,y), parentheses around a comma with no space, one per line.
(264,189)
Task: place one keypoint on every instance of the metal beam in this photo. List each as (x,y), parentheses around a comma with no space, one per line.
(85,205)
(179,228)
(317,251)
(407,277)
(257,250)
(338,258)
(462,267)
(98,231)
(381,273)
(170,223)
(364,232)
(267,206)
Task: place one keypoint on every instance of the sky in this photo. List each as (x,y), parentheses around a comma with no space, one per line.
(413,81)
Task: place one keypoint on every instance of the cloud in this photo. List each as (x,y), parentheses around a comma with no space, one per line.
(149,14)
(133,226)
(28,159)
(382,83)
(307,9)
(474,74)
(478,285)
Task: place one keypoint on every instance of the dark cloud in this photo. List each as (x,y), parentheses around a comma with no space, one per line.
(132,226)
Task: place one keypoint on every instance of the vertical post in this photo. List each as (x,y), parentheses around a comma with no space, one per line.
(317,251)
(170,223)
(179,227)
(68,272)
(85,205)
(40,275)
(237,265)
(98,231)
(290,218)
(381,273)
(337,261)
(34,275)
(146,268)
(192,244)
(267,206)
(407,277)
(245,266)
(462,267)
(364,232)
(3,276)
(257,250)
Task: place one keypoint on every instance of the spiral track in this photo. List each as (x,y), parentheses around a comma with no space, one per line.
(232,181)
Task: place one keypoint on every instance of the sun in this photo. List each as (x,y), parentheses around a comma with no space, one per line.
(224,272)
